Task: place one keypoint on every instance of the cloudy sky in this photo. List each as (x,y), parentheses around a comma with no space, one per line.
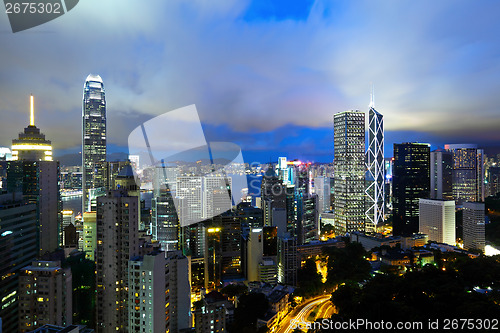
(266,75)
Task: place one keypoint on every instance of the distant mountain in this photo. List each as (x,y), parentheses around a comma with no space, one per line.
(76,159)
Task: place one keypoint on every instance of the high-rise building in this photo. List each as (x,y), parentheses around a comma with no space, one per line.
(216,196)
(322,190)
(308,218)
(441,175)
(178,287)
(90,234)
(165,226)
(147,293)
(437,220)
(494,180)
(93,137)
(288,261)
(31,144)
(473,225)
(18,247)
(410,182)
(468,172)
(189,190)
(117,242)
(375,177)
(45,295)
(349,171)
(35,174)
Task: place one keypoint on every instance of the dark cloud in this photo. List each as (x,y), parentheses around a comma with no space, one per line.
(255,70)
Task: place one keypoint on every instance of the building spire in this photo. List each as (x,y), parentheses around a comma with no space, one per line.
(372,97)
(32,111)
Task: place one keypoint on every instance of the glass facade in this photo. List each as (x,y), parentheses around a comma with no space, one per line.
(375,197)
(93,137)
(410,182)
(349,171)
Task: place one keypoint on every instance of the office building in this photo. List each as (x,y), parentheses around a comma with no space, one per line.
(93,137)
(165,226)
(437,220)
(494,180)
(410,182)
(473,225)
(441,174)
(18,247)
(90,234)
(216,195)
(35,174)
(31,144)
(189,190)
(308,217)
(117,242)
(288,262)
(322,190)
(45,295)
(375,176)
(468,173)
(178,291)
(349,171)
(68,218)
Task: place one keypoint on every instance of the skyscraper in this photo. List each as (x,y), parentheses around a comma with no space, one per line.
(93,137)
(117,242)
(45,295)
(474,226)
(468,172)
(18,247)
(349,171)
(437,220)
(410,182)
(35,174)
(375,196)
(31,144)
(441,175)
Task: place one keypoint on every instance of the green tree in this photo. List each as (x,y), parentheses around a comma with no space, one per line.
(348,264)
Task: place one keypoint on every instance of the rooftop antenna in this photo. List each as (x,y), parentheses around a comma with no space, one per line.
(32,111)
(372,97)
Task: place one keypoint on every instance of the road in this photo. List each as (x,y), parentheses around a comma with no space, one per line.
(301,313)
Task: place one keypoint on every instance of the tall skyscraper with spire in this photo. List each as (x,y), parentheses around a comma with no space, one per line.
(93,137)
(31,144)
(33,173)
(375,195)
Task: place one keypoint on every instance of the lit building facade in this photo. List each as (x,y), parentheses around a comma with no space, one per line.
(375,180)
(45,295)
(18,247)
(410,182)
(437,220)
(473,225)
(117,242)
(35,174)
(288,261)
(93,137)
(31,144)
(349,171)
(90,234)
(468,173)
(441,169)
(147,293)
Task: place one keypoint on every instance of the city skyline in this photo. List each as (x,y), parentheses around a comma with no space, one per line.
(275,89)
